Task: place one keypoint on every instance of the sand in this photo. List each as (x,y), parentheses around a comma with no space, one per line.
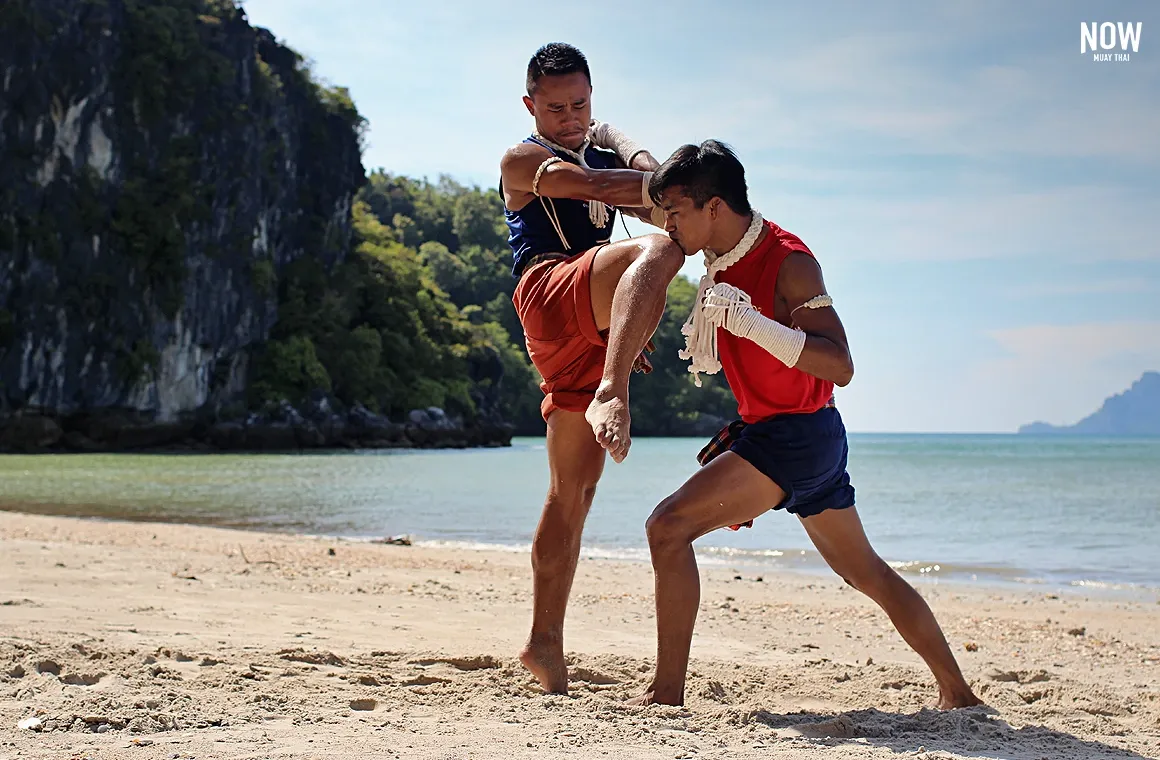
(139,640)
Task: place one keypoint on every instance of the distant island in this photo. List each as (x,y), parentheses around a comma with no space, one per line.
(1136,411)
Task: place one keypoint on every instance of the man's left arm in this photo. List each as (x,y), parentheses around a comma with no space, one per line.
(826,353)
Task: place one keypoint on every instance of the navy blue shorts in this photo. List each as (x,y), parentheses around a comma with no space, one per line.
(805,454)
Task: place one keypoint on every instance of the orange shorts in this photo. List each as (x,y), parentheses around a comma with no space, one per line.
(554,302)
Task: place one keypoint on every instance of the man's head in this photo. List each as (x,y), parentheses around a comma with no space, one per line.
(699,186)
(560,94)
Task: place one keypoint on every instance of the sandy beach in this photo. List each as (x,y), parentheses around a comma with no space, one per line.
(142,640)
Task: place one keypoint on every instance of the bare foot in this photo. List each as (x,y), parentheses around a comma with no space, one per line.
(954,701)
(608,415)
(650,698)
(546,662)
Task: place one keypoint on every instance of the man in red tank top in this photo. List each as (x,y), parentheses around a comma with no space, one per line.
(764,318)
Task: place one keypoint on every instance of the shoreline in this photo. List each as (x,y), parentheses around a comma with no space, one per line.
(750,560)
(314,426)
(156,638)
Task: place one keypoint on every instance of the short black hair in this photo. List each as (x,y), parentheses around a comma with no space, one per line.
(553,60)
(705,171)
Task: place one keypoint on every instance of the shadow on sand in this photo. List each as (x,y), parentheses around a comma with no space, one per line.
(973,732)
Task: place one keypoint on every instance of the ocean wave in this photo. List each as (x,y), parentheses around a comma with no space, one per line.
(809,560)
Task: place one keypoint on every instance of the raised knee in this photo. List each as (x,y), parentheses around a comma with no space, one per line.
(661,247)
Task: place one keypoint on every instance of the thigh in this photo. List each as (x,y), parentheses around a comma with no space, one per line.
(609,265)
(727,491)
(840,539)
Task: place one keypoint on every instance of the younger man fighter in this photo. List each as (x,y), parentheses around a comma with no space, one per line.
(763,316)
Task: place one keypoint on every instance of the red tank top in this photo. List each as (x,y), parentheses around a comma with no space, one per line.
(763,385)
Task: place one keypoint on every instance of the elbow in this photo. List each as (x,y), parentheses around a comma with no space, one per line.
(845,375)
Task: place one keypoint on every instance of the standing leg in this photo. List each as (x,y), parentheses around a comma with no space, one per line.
(727,491)
(838,535)
(630,281)
(575,463)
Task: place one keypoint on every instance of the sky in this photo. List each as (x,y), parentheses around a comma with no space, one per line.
(983,197)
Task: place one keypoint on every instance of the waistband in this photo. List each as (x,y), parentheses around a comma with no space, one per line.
(540,258)
(720,443)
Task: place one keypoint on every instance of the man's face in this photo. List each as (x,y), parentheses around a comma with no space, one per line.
(562,107)
(688,226)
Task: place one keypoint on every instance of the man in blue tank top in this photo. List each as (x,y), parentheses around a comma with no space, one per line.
(587,305)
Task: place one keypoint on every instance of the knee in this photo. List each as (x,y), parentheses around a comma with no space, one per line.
(662,248)
(570,499)
(584,497)
(872,579)
(557,538)
(666,530)
(561,524)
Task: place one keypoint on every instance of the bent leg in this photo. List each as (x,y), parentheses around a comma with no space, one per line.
(575,463)
(629,284)
(839,537)
(727,491)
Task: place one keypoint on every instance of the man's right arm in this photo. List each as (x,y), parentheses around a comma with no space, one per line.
(645,162)
(616,187)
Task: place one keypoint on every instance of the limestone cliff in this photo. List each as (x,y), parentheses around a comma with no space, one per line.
(163,163)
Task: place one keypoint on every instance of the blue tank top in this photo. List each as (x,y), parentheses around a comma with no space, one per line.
(530,230)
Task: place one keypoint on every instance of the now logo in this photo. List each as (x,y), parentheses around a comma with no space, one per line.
(1107,36)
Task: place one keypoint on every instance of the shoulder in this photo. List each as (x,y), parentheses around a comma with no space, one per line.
(800,263)
(785,239)
(523,152)
(800,276)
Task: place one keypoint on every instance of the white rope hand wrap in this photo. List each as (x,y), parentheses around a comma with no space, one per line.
(701,334)
(604,135)
(597,211)
(731,308)
(657,217)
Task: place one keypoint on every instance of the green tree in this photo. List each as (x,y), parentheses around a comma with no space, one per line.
(288,369)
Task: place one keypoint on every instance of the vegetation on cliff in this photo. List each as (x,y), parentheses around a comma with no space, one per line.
(187,230)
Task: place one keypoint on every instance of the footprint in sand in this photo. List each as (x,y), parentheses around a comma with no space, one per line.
(592,676)
(48,666)
(312,658)
(83,679)
(426,681)
(714,691)
(840,727)
(1019,676)
(478,662)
